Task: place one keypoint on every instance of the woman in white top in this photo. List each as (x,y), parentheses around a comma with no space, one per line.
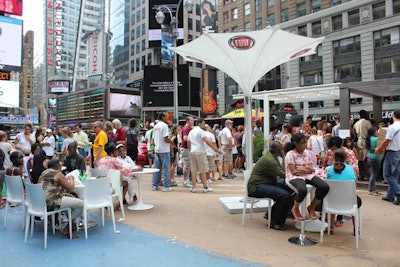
(286,134)
(316,145)
(25,139)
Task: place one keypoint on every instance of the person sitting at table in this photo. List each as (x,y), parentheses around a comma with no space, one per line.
(126,160)
(334,143)
(57,190)
(266,180)
(299,172)
(340,170)
(111,162)
(74,160)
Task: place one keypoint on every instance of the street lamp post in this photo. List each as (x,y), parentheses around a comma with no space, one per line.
(160,17)
(144,111)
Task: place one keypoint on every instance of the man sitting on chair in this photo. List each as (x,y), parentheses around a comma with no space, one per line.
(264,182)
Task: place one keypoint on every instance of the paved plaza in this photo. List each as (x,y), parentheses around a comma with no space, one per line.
(186,229)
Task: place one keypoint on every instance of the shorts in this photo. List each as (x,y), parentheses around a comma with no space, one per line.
(228,157)
(199,162)
(211,163)
(186,158)
(2,178)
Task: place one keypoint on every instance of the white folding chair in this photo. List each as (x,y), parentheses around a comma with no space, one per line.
(98,173)
(15,194)
(115,178)
(246,198)
(342,199)
(36,206)
(98,196)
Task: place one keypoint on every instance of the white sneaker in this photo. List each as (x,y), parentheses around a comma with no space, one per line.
(208,189)
(209,181)
(187,183)
(193,190)
(167,189)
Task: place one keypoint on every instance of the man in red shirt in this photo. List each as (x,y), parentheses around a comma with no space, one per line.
(186,149)
(120,134)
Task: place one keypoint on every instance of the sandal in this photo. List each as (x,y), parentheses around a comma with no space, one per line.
(312,214)
(65,232)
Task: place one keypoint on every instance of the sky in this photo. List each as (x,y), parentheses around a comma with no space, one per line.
(32,11)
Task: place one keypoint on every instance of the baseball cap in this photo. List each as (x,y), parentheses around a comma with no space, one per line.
(120,145)
(152,124)
(228,122)
(49,130)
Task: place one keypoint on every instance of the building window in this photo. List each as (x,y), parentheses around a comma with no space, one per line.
(271,3)
(198,9)
(311,77)
(259,24)
(314,57)
(348,45)
(143,29)
(143,45)
(387,65)
(234,13)
(284,15)
(138,16)
(378,11)
(190,24)
(133,19)
(396,7)
(137,31)
(302,30)
(137,48)
(247,9)
(198,26)
(387,37)
(143,62)
(143,13)
(258,5)
(348,72)
(301,9)
(315,5)
(137,67)
(226,2)
(132,34)
(354,17)
(247,27)
(337,22)
(132,66)
(235,29)
(336,2)
(226,17)
(132,50)
(316,28)
(271,19)
(149,59)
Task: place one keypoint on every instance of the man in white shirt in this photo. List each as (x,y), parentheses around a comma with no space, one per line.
(49,144)
(162,160)
(198,155)
(210,153)
(391,164)
(81,139)
(227,144)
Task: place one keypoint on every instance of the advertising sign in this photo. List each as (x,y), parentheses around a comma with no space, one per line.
(59,86)
(9,94)
(208,16)
(124,105)
(13,7)
(159,87)
(10,44)
(167,41)
(209,92)
(95,54)
(155,28)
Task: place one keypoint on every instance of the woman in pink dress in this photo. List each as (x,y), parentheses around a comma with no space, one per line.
(299,172)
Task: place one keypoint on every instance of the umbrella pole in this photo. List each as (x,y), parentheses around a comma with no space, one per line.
(248,132)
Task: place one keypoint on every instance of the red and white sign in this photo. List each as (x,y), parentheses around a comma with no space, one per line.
(95,54)
(54,33)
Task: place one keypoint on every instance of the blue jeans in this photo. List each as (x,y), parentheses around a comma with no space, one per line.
(82,152)
(374,166)
(162,162)
(283,201)
(391,173)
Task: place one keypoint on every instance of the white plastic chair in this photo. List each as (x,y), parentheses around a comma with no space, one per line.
(246,175)
(36,206)
(15,194)
(342,199)
(98,173)
(115,178)
(98,196)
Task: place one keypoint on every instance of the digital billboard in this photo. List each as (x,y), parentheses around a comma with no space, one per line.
(59,86)
(10,44)
(208,16)
(159,87)
(9,94)
(155,28)
(14,7)
(124,104)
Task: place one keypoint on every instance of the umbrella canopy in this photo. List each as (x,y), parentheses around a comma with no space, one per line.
(246,57)
(240,113)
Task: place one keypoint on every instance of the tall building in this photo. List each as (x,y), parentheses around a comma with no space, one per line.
(361,46)
(26,78)
(58,38)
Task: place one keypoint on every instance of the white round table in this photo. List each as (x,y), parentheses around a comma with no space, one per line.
(140,205)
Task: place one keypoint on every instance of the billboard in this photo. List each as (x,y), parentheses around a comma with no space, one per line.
(209,91)
(10,44)
(159,87)
(208,16)
(13,7)
(59,86)
(9,94)
(155,28)
(124,104)
(167,41)
(95,54)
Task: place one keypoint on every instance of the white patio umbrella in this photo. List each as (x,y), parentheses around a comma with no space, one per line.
(246,57)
